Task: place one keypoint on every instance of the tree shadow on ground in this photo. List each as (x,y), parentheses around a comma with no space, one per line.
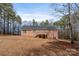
(55,48)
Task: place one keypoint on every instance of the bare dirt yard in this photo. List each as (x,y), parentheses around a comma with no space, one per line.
(28,46)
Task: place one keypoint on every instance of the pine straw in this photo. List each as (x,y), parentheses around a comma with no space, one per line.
(28,46)
(56,48)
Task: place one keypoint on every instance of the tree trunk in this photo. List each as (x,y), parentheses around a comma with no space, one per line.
(8,24)
(4,23)
(13,27)
(70,25)
(1,18)
(10,28)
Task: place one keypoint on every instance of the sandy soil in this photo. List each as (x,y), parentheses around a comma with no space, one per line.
(28,46)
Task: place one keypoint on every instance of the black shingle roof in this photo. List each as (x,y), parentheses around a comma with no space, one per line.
(39,28)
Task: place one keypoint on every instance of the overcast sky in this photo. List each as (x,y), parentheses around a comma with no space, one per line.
(37,11)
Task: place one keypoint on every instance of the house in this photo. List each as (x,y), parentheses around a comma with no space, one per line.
(37,31)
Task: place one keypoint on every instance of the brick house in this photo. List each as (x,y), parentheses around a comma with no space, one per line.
(34,31)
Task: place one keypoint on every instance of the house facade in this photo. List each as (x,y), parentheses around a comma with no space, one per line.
(50,32)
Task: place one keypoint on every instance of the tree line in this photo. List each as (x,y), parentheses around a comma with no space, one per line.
(10,22)
(42,23)
(69,13)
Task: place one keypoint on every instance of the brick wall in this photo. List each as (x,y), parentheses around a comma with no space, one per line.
(50,34)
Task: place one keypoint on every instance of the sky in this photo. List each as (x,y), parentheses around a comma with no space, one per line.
(38,11)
